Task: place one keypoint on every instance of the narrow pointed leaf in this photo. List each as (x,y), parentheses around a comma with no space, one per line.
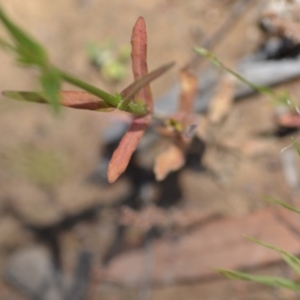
(267,280)
(129,142)
(283,204)
(84,100)
(27,48)
(110,99)
(129,93)
(127,146)
(291,259)
(73,99)
(139,60)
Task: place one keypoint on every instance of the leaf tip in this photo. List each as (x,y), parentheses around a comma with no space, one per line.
(113,172)
(140,21)
(111,178)
(139,29)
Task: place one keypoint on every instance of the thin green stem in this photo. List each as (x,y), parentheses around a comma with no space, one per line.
(219,64)
(113,101)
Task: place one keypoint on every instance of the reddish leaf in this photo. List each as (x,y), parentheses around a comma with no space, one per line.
(74,99)
(129,92)
(83,100)
(128,144)
(139,59)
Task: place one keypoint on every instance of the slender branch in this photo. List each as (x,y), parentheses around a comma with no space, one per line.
(260,89)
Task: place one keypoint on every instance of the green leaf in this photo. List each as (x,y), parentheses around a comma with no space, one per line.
(291,259)
(283,204)
(267,280)
(27,48)
(51,82)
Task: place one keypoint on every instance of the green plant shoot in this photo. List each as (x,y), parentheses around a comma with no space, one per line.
(31,53)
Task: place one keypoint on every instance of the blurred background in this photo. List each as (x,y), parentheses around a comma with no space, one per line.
(65,233)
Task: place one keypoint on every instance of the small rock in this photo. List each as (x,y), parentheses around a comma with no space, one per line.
(32,271)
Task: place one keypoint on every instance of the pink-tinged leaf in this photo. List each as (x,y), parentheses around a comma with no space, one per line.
(129,142)
(74,99)
(139,59)
(129,92)
(83,100)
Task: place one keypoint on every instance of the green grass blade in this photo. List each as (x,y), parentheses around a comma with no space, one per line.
(292,260)
(266,280)
(28,49)
(68,99)
(283,204)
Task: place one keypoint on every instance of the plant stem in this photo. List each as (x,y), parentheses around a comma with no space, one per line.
(219,64)
(110,99)
(114,101)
